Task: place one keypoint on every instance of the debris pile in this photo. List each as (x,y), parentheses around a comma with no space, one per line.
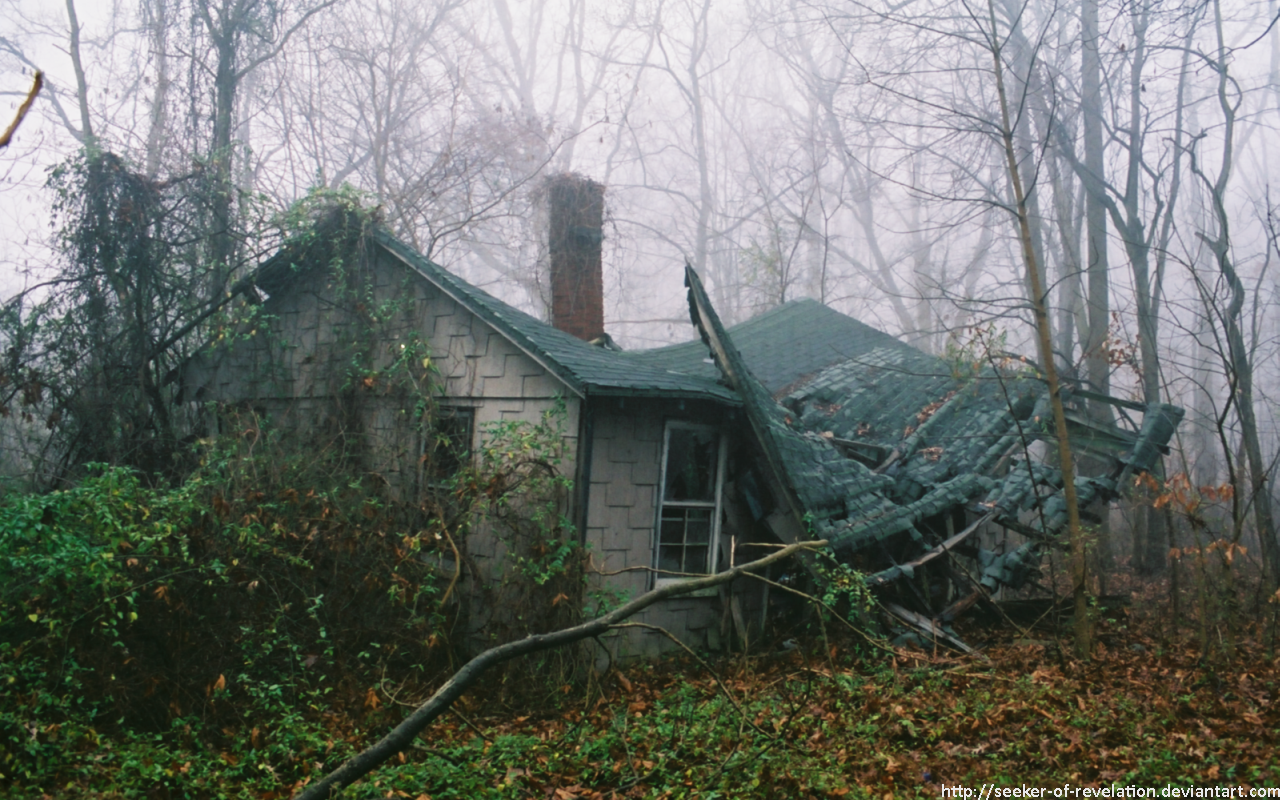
(898,459)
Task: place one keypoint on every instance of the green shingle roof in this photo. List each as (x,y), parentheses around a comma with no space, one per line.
(950,435)
(584,368)
(783,345)
(842,379)
(830,491)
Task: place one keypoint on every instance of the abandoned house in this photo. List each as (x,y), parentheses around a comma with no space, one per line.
(928,476)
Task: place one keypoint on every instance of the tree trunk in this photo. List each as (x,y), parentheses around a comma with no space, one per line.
(1149,534)
(1149,551)
(1079,570)
(82,86)
(1239,361)
(1097,266)
(1097,370)
(225,83)
(157,13)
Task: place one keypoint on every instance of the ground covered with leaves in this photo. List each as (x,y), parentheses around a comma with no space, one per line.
(218,640)
(811,722)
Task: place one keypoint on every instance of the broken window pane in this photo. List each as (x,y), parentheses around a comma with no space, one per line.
(692,456)
(687,520)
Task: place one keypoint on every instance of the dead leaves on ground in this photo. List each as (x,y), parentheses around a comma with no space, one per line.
(1135,714)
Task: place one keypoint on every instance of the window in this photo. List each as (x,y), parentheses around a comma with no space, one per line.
(447,444)
(689,509)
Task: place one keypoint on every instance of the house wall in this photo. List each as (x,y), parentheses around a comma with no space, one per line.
(621,521)
(295,366)
(297,363)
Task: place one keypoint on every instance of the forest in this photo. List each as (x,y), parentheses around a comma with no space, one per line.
(229,609)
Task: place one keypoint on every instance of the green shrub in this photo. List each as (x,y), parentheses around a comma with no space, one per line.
(249,607)
(125,608)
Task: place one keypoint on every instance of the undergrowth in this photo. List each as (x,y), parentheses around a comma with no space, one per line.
(244,632)
(815,721)
(148,615)
(809,723)
(228,635)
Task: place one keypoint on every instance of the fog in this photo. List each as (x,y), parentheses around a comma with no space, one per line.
(848,152)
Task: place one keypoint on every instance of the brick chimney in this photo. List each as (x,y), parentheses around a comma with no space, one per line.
(576,211)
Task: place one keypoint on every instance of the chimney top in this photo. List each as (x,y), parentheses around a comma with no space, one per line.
(576,216)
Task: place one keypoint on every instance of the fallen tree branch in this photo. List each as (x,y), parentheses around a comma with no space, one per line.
(403,734)
(835,614)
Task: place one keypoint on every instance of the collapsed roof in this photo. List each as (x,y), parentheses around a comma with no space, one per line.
(870,438)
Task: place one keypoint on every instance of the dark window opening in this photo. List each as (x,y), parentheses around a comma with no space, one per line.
(447,444)
(689,509)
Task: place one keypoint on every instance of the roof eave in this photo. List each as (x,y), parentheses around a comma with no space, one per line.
(596,390)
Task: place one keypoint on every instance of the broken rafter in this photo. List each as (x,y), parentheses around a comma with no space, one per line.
(1037,534)
(892,574)
(928,418)
(928,627)
(868,453)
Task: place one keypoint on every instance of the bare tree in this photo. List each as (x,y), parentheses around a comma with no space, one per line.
(158,19)
(1141,209)
(1096,263)
(1238,356)
(241,36)
(1080,591)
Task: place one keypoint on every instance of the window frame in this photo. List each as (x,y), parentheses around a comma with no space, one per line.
(429,441)
(716,505)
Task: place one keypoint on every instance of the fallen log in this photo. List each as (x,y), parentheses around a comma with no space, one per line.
(403,734)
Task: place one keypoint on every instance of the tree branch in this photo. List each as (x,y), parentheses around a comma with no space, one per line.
(404,733)
(22,110)
(284,40)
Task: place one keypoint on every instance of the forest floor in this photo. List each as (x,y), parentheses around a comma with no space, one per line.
(1154,709)
(1150,710)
